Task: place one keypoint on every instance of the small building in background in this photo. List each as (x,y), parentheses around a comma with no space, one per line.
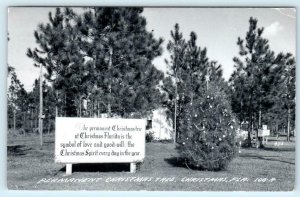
(159,125)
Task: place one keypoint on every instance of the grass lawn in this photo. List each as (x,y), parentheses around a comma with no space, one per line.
(28,164)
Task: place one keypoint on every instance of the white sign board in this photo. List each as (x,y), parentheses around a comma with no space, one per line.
(97,140)
(263,132)
(264,127)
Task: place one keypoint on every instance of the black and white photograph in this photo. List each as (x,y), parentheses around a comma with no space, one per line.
(151,98)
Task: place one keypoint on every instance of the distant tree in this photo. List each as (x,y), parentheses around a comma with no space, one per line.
(288,93)
(17,100)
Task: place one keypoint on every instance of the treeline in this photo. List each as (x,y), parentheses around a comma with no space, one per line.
(23,106)
(100,62)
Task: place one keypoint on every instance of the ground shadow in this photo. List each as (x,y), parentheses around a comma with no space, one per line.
(268,158)
(180,162)
(280,149)
(17,150)
(49,142)
(176,162)
(99,167)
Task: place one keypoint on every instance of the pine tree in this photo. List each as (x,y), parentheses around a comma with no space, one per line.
(58,51)
(204,122)
(17,101)
(208,142)
(173,88)
(259,81)
(287,93)
(250,80)
(124,78)
(104,56)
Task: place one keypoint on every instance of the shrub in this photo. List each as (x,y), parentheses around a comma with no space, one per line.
(149,136)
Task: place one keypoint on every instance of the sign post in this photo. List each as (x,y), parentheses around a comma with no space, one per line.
(97,140)
(68,169)
(264,133)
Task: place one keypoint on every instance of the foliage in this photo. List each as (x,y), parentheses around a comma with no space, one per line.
(17,97)
(149,136)
(204,121)
(102,56)
(208,140)
(259,85)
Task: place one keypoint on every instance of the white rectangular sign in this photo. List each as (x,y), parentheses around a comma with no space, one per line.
(263,133)
(99,140)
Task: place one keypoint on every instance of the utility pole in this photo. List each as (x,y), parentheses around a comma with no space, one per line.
(41,106)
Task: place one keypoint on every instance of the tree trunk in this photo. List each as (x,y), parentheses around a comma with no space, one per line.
(258,140)
(80,106)
(30,116)
(98,109)
(49,126)
(250,122)
(110,81)
(24,120)
(41,106)
(14,132)
(288,125)
(175,111)
(56,107)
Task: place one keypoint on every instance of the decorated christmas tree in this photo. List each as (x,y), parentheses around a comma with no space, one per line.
(207,142)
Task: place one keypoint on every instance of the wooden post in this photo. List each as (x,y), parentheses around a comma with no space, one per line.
(132,167)
(68,169)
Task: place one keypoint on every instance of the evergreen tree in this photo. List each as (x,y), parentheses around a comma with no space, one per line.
(104,56)
(205,123)
(17,101)
(287,94)
(208,141)
(120,52)
(58,51)
(255,60)
(258,82)
(172,84)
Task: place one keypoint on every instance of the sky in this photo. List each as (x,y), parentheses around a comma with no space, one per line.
(217,29)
